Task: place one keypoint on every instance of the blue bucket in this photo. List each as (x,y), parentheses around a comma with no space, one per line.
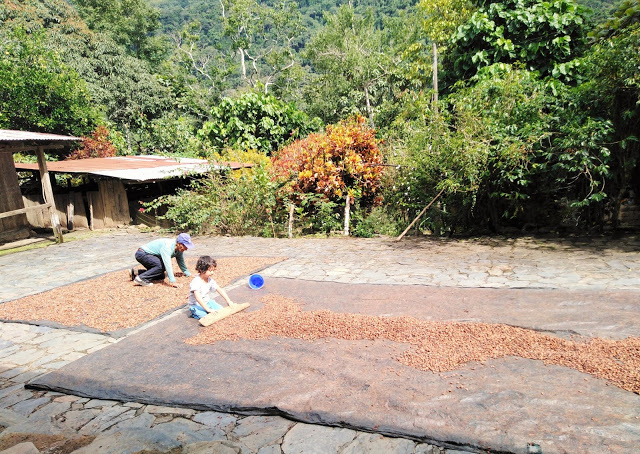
(256,281)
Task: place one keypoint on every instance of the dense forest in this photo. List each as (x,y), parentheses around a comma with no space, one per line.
(508,116)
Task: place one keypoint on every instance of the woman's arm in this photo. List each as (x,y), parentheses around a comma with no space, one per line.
(165,255)
(182,264)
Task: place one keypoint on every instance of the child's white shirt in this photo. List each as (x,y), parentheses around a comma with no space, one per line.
(203,288)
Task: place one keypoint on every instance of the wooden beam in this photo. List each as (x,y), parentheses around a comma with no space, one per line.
(41,207)
(15,148)
(47,193)
(420,214)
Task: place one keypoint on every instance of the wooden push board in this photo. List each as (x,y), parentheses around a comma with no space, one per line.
(222,313)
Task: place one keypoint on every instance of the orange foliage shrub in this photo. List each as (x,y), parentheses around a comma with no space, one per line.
(345,158)
(96,146)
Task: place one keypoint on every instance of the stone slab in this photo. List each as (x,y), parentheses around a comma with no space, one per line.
(501,406)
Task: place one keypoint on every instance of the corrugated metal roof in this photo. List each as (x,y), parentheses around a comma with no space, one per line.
(8,135)
(134,168)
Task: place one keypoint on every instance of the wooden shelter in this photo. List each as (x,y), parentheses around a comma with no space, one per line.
(13,220)
(107,192)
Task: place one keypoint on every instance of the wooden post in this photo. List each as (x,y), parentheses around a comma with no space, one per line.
(292,208)
(47,194)
(90,214)
(70,212)
(347,212)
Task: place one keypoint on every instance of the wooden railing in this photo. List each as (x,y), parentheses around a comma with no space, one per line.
(42,207)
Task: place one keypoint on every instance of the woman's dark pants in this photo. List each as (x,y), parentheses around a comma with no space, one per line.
(153,264)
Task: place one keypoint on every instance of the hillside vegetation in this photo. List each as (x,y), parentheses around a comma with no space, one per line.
(529,121)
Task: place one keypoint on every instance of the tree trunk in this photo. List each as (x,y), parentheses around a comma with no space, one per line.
(369,111)
(243,64)
(435,77)
(292,208)
(347,215)
(493,213)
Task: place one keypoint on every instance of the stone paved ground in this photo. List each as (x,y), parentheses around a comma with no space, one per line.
(65,423)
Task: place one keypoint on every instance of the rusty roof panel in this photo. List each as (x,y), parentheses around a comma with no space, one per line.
(8,135)
(135,168)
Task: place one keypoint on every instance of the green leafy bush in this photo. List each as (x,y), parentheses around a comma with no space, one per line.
(543,36)
(256,121)
(377,221)
(510,150)
(221,204)
(316,214)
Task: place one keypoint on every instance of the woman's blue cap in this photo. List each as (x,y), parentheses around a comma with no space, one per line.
(185,238)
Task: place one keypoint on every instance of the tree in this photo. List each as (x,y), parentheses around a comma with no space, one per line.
(543,150)
(625,15)
(130,23)
(122,88)
(38,92)
(95,146)
(510,150)
(349,56)
(345,159)
(197,74)
(130,96)
(255,121)
(599,10)
(544,36)
(441,18)
(263,37)
(611,89)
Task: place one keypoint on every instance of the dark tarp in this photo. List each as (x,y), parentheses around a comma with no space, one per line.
(501,405)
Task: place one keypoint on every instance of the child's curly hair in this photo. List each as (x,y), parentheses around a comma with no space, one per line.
(204,263)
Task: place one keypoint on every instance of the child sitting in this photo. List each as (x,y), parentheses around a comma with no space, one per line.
(199,302)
